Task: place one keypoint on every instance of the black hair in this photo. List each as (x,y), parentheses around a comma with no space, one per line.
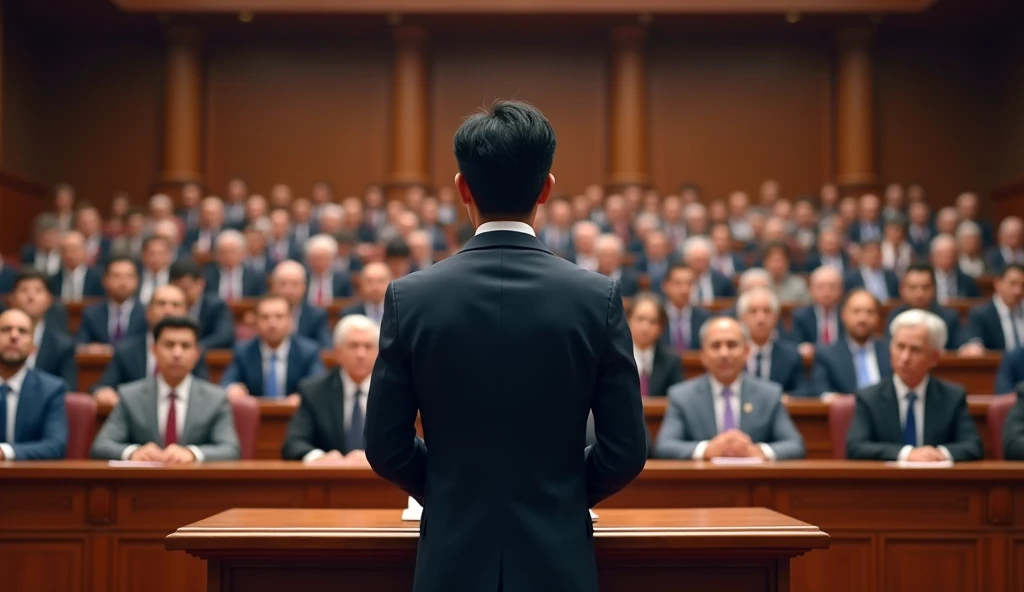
(856,291)
(921,268)
(396,248)
(185,268)
(1011,267)
(156,238)
(27,274)
(176,322)
(505,154)
(675,266)
(119,259)
(776,246)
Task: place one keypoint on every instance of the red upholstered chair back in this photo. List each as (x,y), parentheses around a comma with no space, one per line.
(840,414)
(81,412)
(997,413)
(247,423)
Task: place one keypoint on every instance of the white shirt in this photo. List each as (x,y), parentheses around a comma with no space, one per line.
(644,359)
(163,405)
(973,267)
(945,286)
(15,383)
(322,284)
(766,360)
(588,262)
(509,225)
(150,282)
(896,257)
(1007,322)
(281,361)
(901,398)
(1012,256)
(232,277)
(374,311)
(126,314)
(348,388)
(74,283)
(48,262)
(724,265)
(706,293)
(734,403)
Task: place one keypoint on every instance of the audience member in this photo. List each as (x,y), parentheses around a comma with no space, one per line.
(54,351)
(64,206)
(881,282)
(89,224)
(289,282)
(227,277)
(129,242)
(967,211)
(201,239)
(920,232)
(256,256)
(818,324)
(610,254)
(917,290)
(1009,245)
(217,324)
(830,252)
(121,314)
(897,253)
(788,287)
(303,226)
(44,252)
(708,284)
(280,244)
(188,213)
(75,280)
(868,226)
(857,360)
(684,319)
(658,364)
(373,286)
(725,261)
(325,282)
(972,252)
(156,266)
(770,357)
(950,282)
(585,235)
(999,323)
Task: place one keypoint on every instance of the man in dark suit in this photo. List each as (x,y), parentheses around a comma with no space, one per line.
(914,416)
(829,252)
(325,429)
(682,331)
(917,290)
(201,239)
(857,360)
(54,349)
(89,223)
(554,335)
(289,282)
(920,231)
(303,227)
(818,323)
(708,284)
(43,252)
(610,252)
(871,275)
(134,358)
(216,322)
(191,194)
(557,233)
(998,324)
(155,268)
(1013,431)
(868,226)
(950,282)
(6,278)
(770,357)
(228,277)
(967,208)
(121,314)
(280,244)
(655,260)
(76,279)
(1010,372)
(256,256)
(658,363)
(1009,244)
(373,286)
(272,364)
(725,261)
(326,283)
(33,421)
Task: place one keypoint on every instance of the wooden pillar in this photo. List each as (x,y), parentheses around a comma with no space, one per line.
(628,108)
(3,25)
(855,114)
(410,132)
(183,107)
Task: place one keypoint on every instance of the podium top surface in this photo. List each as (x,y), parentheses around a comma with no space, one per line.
(243,530)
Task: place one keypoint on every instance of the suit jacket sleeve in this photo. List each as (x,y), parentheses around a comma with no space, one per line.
(788,444)
(955,338)
(620,452)
(69,368)
(1013,432)
(971,288)
(675,374)
(797,383)
(54,440)
(223,443)
(224,330)
(975,327)
(393,449)
(298,441)
(315,366)
(861,439)
(966,443)
(325,339)
(672,439)
(114,436)
(201,370)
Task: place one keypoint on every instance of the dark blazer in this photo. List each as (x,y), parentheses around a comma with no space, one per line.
(643,266)
(95,324)
(876,432)
(129,364)
(983,324)
(57,317)
(292,251)
(217,323)
(254,283)
(996,261)
(247,365)
(56,355)
(341,283)
(854,279)
(92,286)
(698,316)
(41,423)
(629,280)
(805,326)
(787,369)
(1013,431)
(1011,371)
(856,232)
(966,286)
(834,369)
(813,261)
(192,237)
(6,278)
(721,285)
(552,342)
(313,325)
(955,335)
(667,370)
(319,422)
(922,246)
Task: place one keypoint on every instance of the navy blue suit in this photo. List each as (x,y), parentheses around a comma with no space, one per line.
(643,266)
(41,423)
(698,316)
(313,325)
(341,284)
(857,233)
(92,285)
(720,285)
(95,325)
(129,364)
(1011,371)
(6,279)
(247,365)
(192,237)
(966,287)
(922,246)
(254,283)
(292,251)
(813,261)
(805,326)
(216,322)
(55,354)
(787,369)
(834,370)
(954,336)
(983,324)
(57,318)
(855,279)
(996,261)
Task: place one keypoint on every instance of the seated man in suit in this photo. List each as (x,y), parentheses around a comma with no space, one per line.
(280,246)
(1009,244)
(920,231)
(857,360)
(256,256)
(1013,431)
(655,259)
(54,349)
(770,357)
(610,252)
(43,252)
(830,252)
(90,224)
(75,279)
(134,358)
(228,277)
(684,319)
(868,226)
(658,364)
(998,324)
(724,412)
(194,422)
(33,421)
(708,284)
(373,285)
(871,275)
(289,282)
(914,416)
(950,282)
(725,261)
(320,431)
(155,270)
(787,286)
(272,364)
(201,239)
(216,322)
(121,314)
(326,283)
(818,324)
(917,290)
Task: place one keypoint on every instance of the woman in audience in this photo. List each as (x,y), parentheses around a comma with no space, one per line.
(788,288)
(659,366)
(970,247)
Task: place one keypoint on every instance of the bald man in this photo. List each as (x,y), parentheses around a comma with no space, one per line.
(289,282)
(33,423)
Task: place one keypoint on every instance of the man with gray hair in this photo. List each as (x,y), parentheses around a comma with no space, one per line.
(610,251)
(818,323)
(950,282)
(1009,244)
(770,358)
(319,434)
(708,283)
(325,282)
(227,277)
(890,418)
(703,418)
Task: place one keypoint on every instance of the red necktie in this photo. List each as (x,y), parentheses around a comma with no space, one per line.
(826,334)
(171,427)
(230,277)
(320,292)
(645,383)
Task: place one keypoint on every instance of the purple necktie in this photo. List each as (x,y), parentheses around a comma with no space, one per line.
(118,330)
(681,344)
(728,420)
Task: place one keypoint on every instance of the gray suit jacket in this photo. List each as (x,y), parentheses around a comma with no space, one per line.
(690,419)
(209,422)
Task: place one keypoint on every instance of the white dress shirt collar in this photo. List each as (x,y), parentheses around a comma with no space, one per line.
(1001,307)
(163,390)
(644,359)
(718,387)
(508,225)
(17,380)
(11,401)
(902,389)
(281,351)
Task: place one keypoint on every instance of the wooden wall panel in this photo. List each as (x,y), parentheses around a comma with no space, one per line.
(729,113)
(565,77)
(296,111)
(1012,145)
(22,108)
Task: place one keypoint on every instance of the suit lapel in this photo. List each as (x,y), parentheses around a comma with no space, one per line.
(256,363)
(150,413)
(890,410)
(27,408)
(334,398)
(104,320)
(659,369)
(294,364)
(933,406)
(846,360)
(196,408)
(705,407)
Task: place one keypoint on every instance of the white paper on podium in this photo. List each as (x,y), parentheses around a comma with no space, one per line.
(737,461)
(137,464)
(414,510)
(915,464)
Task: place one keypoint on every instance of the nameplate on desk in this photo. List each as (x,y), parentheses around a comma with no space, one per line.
(414,511)
(135,464)
(737,461)
(916,464)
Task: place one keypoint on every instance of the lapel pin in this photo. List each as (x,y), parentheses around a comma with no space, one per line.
(748,407)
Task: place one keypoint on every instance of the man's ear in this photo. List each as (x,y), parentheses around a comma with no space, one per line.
(545,191)
(463,189)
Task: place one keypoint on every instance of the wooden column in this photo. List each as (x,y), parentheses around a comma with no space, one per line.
(410,132)
(183,116)
(628,108)
(855,114)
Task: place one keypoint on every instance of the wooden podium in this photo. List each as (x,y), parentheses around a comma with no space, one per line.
(721,550)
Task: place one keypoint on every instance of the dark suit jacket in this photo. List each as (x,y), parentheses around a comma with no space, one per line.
(217,323)
(1013,431)
(95,324)
(876,432)
(813,261)
(787,369)
(192,237)
(341,283)
(855,279)
(667,370)
(856,231)
(721,285)
(1011,371)
(984,325)
(129,364)
(698,316)
(41,423)
(319,422)
(805,326)
(56,355)
(254,283)
(643,266)
(247,365)
(629,280)
(996,261)
(921,247)
(966,287)
(834,370)
(292,251)
(313,325)
(92,286)
(6,279)
(57,318)
(954,338)
(552,343)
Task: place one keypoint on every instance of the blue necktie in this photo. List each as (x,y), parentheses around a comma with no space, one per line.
(757,364)
(863,375)
(270,386)
(4,389)
(910,425)
(354,436)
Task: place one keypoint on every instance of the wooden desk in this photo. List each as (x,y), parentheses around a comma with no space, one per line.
(723,549)
(80,526)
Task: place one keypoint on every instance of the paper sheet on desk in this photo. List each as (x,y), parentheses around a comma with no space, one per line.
(737,461)
(414,510)
(914,464)
(138,464)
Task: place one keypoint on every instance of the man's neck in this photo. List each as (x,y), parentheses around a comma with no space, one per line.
(273,346)
(357,380)
(860,342)
(680,307)
(7,371)
(173,382)
(119,301)
(760,343)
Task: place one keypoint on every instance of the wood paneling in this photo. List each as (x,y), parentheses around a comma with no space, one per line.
(296,111)
(144,565)
(849,559)
(23,148)
(1012,146)
(30,564)
(932,563)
